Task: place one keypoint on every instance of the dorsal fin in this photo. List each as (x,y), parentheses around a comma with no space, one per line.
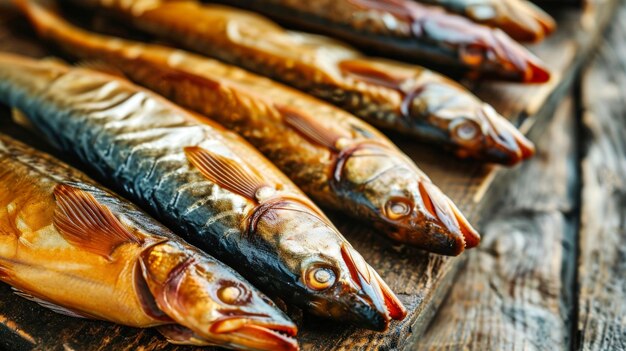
(226,172)
(49,305)
(86,223)
(309,127)
(102,67)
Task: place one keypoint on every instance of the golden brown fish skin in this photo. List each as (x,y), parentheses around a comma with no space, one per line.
(388,94)
(67,242)
(310,141)
(203,180)
(521,19)
(410,30)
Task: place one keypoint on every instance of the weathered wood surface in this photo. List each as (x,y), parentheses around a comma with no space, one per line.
(510,296)
(602,260)
(421,280)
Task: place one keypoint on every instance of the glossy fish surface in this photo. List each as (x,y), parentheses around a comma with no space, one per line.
(340,161)
(79,250)
(205,182)
(521,19)
(424,33)
(388,94)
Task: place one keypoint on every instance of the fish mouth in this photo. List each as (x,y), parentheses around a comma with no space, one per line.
(524,21)
(515,59)
(256,334)
(379,305)
(440,228)
(504,143)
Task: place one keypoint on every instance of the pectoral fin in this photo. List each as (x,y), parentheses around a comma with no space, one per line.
(227,173)
(49,305)
(86,223)
(21,119)
(310,128)
(179,335)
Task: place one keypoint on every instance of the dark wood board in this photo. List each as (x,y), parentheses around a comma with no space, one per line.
(601,284)
(511,296)
(421,280)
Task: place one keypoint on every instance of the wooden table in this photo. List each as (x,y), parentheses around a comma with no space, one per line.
(421,280)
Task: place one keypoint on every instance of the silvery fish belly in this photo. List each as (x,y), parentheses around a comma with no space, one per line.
(206,182)
(521,19)
(410,30)
(388,94)
(79,250)
(337,159)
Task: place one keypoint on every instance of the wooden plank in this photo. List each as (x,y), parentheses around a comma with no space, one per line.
(602,261)
(421,280)
(509,298)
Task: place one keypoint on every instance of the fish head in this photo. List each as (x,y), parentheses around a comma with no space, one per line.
(523,20)
(481,48)
(213,301)
(389,189)
(329,277)
(470,127)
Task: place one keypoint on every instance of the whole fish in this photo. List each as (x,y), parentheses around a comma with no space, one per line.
(334,157)
(410,30)
(75,248)
(388,94)
(204,181)
(521,19)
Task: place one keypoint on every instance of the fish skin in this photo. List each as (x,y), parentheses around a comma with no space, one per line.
(521,19)
(137,140)
(44,266)
(390,95)
(259,110)
(410,30)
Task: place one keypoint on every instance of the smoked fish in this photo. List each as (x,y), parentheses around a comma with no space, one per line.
(338,160)
(521,19)
(412,31)
(79,250)
(203,181)
(388,94)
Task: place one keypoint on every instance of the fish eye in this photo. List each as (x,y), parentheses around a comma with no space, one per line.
(233,294)
(465,130)
(397,208)
(320,278)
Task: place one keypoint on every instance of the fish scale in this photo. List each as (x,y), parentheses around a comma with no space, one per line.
(284,247)
(83,252)
(315,143)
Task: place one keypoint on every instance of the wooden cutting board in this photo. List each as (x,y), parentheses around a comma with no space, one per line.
(421,280)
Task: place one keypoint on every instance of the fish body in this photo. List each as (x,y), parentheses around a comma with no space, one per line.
(337,159)
(204,181)
(410,30)
(521,19)
(388,94)
(79,250)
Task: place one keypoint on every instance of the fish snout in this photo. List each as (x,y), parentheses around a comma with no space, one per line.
(521,64)
(504,144)
(376,304)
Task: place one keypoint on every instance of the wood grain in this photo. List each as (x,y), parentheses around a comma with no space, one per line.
(421,280)
(509,298)
(602,261)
